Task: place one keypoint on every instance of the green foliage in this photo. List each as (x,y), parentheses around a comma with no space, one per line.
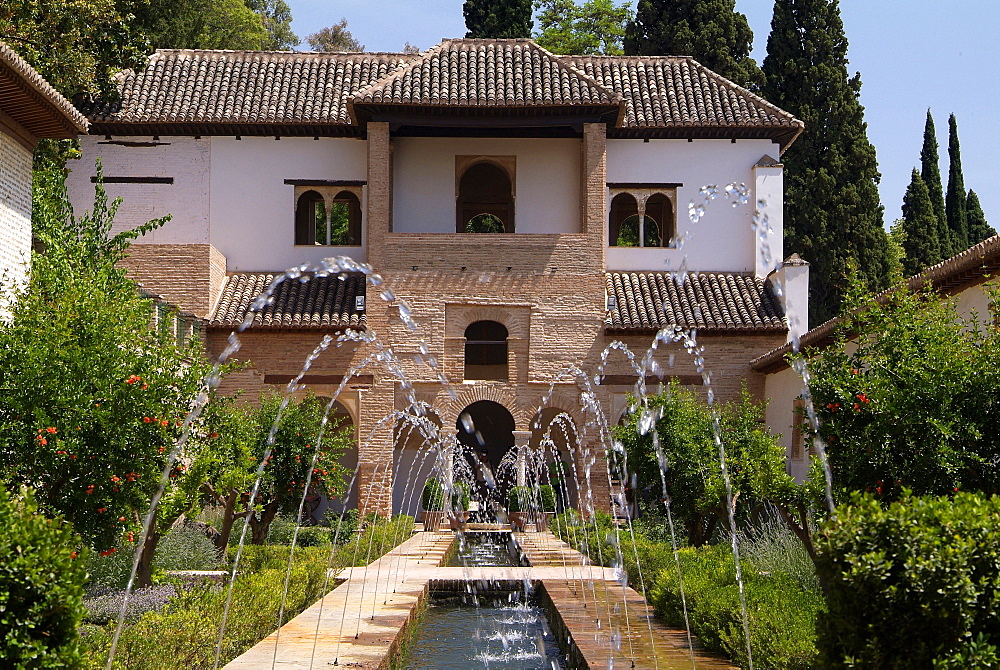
(276,16)
(711,31)
(460,497)
(921,226)
(911,584)
(832,208)
(521,499)
(334,38)
(770,548)
(186,548)
(109,571)
(914,402)
(497,19)
(432,497)
(979,229)
(930,172)
(683,446)
(782,615)
(41,587)
(77,46)
(93,396)
(484,223)
(955,198)
(547,498)
(595,27)
(206,24)
(238,436)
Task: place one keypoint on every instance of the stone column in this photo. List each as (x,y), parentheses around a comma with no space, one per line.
(521,438)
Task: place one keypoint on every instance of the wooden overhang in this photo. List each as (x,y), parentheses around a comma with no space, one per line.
(31,102)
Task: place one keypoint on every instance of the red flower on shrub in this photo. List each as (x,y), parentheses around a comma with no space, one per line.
(41,441)
(108,552)
(102,510)
(146,419)
(73,555)
(50,429)
(134,379)
(90,489)
(164,423)
(863,398)
(115,478)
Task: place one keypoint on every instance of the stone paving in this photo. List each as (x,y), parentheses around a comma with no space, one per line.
(363,621)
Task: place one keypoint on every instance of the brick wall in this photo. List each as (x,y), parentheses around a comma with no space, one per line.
(15,212)
(188,275)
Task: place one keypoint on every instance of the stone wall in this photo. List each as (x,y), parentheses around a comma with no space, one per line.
(190,276)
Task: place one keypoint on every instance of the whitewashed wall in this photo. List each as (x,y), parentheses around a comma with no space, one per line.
(185,159)
(547,188)
(253,210)
(974,301)
(15,215)
(781,389)
(723,239)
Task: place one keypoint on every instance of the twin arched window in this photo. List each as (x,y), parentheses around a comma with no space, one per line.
(338,226)
(485,200)
(486,351)
(655,229)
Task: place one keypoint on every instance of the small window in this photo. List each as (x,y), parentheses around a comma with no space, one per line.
(486,351)
(627,229)
(331,222)
(485,200)
(798,428)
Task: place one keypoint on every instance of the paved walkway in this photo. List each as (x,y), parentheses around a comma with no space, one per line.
(364,620)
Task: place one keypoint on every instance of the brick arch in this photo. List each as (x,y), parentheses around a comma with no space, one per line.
(565,401)
(494,392)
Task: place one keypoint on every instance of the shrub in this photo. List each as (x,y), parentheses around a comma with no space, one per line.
(109,572)
(913,583)
(314,536)
(547,496)
(41,587)
(520,499)
(781,614)
(771,548)
(104,609)
(432,497)
(342,528)
(186,548)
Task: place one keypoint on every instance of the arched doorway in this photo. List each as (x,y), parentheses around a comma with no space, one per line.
(554,430)
(485,189)
(486,433)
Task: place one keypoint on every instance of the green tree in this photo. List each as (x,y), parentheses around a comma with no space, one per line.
(497,19)
(832,208)
(277,18)
(921,241)
(913,402)
(979,229)
(595,27)
(93,396)
(204,24)
(77,46)
(930,172)
(334,38)
(711,31)
(955,199)
(238,434)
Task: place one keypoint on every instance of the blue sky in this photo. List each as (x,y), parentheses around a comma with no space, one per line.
(912,54)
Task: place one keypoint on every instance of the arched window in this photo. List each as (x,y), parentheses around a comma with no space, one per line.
(485,200)
(625,229)
(486,351)
(310,219)
(338,227)
(345,220)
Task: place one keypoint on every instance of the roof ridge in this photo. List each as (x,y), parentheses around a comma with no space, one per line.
(612,94)
(388,76)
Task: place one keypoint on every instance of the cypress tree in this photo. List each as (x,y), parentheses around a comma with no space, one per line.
(711,31)
(497,18)
(930,172)
(955,200)
(832,207)
(920,225)
(979,230)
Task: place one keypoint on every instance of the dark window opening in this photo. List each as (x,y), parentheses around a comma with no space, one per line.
(625,228)
(485,190)
(340,227)
(486,351)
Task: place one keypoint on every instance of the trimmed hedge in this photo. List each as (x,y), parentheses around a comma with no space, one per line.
(916,584)
(41,587)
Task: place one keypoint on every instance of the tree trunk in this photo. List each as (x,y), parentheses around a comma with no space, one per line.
(144,573)
(259,527)
(801,529)
(228,519)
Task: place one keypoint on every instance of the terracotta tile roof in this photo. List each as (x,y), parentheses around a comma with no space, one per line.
(972,267)
(487,73)
(194,86)
(645,301)
(30,100)
(664,96)
(677,90)
(321,302)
